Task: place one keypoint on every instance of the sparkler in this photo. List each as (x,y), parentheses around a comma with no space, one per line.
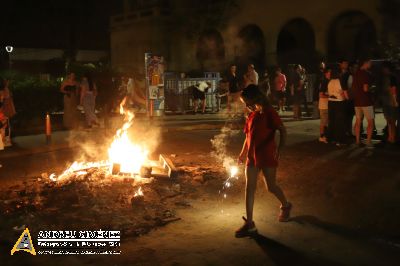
(233,170)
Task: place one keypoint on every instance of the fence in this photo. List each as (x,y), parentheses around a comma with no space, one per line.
(178,92)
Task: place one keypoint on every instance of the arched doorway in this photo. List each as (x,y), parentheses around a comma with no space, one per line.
(352,35)
(296,44)
(250,48)
(210,52)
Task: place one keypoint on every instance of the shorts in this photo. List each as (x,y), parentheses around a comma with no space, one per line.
(390,112)
(198,94)
(279,95)
(367,111)
(323,114)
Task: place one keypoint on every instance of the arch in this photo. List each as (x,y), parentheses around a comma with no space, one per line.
(296,43)
(251,47)
(351,35)
(210,47)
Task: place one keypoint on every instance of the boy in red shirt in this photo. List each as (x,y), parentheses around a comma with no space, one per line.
(262,154)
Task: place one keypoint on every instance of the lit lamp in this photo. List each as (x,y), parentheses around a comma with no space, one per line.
(9,50)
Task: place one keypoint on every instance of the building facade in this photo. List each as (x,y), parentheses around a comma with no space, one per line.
(261,32)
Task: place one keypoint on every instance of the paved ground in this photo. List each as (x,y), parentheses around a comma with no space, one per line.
(346,205)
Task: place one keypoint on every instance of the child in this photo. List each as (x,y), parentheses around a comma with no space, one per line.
(262,154)
(3,122)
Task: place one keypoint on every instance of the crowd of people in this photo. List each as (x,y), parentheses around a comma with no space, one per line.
(346,96)
(280,89)
(352,90)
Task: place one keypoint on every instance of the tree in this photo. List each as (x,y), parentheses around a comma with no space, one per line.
(389,44)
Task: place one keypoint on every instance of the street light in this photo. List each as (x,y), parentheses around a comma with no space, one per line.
(9,50)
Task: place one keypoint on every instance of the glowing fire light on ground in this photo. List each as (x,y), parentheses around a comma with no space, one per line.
(122,151)
(138,193)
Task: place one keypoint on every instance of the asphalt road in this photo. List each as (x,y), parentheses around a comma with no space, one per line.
(346,207)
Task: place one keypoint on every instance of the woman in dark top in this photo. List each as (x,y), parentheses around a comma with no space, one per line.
(70,90)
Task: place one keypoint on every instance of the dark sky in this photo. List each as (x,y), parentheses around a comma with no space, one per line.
(57,23)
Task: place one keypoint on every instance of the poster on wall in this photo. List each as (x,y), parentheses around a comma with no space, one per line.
(154,66)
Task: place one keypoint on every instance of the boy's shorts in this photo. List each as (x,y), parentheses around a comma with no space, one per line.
(367,111)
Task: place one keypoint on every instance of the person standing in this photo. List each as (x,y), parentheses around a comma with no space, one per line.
(9,112)
(336,109)
(234,91)
(319,77)
(323,105)
(70,89)
(304,78)
(199,93)
(251,76)
(88,100)
(389,101)
(345,81)
(280,83)
(262,154)
(264,84)
(363,101)
(3,117)
(296,91)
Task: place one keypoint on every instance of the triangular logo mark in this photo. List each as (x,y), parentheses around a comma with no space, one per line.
(24,243)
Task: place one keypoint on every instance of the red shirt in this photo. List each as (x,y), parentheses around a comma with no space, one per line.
(260,138)
(280,82)
(362,98)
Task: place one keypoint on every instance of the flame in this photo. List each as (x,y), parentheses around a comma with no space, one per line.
(138,193)
(123,151)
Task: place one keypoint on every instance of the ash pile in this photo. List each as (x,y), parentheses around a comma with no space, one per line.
(93,199)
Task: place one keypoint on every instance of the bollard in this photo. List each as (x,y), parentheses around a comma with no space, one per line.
(151,108)
(48,128)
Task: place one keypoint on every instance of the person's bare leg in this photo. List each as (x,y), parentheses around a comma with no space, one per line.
(270,182)
(203,106)
(251,185)
(370,128)
(321,129)
(357,129)
(196,105)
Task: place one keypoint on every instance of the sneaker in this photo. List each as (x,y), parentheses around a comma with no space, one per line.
(323,140)
(248,229)
(284,215)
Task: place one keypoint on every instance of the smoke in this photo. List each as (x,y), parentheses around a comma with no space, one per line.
(145,134)
(220,147)
(92,146)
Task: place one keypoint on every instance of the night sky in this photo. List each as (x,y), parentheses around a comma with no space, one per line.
(55,23)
